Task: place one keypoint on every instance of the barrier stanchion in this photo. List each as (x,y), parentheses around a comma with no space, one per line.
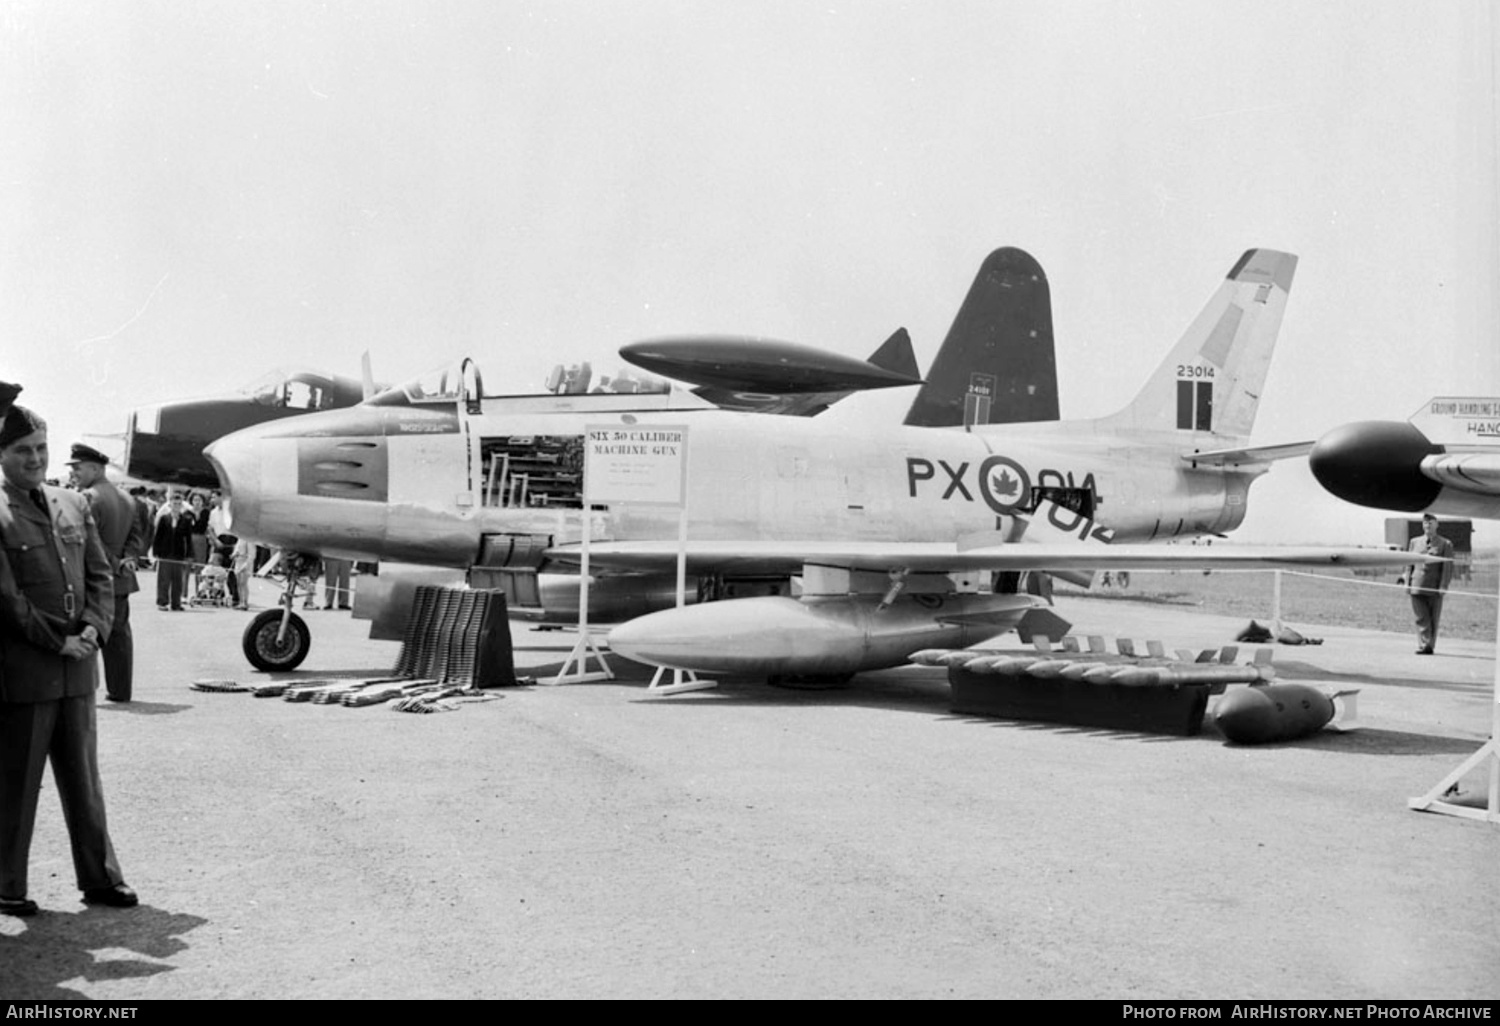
(1488,754)
(682,680)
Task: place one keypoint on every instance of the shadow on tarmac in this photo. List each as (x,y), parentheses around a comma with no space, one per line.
(910,687)
(55,947)
(136,707)
(1364,741)
(1299,671)
(1370,741)
(255,677)
(932,696)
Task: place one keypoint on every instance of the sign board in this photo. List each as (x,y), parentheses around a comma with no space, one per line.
(1457,420)
(644,463)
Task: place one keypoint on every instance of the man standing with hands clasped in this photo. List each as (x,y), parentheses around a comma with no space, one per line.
(120,531)
(56,605)
(1426,582)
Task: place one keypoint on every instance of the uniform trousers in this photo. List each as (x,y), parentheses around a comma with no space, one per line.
(1428,609)
(119,653)
(171,578)
(63,730)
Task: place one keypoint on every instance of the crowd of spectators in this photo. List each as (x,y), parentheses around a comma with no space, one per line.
(197,558)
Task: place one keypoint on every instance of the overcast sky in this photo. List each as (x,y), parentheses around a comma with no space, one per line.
(194,193)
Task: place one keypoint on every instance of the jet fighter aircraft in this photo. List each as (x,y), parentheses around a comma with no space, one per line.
(813,549)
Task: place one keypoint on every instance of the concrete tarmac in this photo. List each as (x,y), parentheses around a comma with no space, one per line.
(591,840)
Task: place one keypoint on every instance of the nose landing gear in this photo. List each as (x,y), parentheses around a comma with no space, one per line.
(279,639)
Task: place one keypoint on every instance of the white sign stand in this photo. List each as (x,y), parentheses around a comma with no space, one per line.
(578,658)
(1489,753)
(634,463)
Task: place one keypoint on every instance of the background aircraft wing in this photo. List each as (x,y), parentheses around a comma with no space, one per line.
(1472,470)
(776,557)
(804,404)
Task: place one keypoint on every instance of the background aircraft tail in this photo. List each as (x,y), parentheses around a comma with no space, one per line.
(1211,381)
(895,354)
(996,365)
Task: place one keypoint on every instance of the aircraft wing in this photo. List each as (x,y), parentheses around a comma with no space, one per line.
(804,404)
(768,557)
(1248,455)
(1475,470)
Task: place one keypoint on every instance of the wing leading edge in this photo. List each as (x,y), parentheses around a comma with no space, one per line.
(768,557)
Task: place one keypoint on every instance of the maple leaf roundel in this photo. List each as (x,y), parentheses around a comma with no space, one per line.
(1004,483)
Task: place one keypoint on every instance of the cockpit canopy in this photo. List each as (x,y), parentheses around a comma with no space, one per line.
(302,390)
(619,379)
(462,381)
(447,384)
(441,385)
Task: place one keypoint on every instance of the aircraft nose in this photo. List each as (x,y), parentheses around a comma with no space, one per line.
(1376,463)
(236,458)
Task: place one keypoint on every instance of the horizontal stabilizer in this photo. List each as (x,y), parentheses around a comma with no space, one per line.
(1247,456)
(895,355)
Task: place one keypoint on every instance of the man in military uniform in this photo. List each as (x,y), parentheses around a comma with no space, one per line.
(1427,582)
(56,606)
(120,531)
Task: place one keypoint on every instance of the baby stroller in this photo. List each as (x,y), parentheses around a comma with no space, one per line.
(213,586)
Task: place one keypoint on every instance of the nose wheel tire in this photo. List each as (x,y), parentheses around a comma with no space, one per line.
(263,649)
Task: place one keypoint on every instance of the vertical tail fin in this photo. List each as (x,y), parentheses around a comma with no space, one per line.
(1211,381)
(895,354)
(996,365)
(367,378)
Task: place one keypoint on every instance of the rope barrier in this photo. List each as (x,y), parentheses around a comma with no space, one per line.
(158,560)
(1333,578)
(1487,596)
(342,594)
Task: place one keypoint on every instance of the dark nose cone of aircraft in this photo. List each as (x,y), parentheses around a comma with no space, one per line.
(1376,463)
(759,365)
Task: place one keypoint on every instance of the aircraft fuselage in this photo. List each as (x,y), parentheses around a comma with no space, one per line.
(427,484)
